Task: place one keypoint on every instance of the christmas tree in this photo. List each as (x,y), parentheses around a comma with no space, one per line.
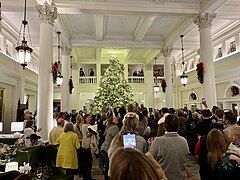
(113,88)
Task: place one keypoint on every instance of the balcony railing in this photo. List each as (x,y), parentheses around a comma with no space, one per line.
(159,80)
(134,79)
(88,80)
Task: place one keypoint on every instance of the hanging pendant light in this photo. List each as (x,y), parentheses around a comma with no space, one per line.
(71,86)
(59,76)
(183,77)
(23,50)
(156,87)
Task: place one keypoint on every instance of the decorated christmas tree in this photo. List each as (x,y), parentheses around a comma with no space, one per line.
(114,88)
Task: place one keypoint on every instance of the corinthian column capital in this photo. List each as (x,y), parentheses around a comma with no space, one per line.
(204,20)
(47,13)
(66,49)
(166,51)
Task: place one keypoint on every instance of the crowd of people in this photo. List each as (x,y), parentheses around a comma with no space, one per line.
(162,142)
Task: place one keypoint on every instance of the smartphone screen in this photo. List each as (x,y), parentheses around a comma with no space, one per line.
(203,100)
(129,140)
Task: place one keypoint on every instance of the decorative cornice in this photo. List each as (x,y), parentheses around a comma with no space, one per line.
(204,20)
(66,49)
(166,51)
(149,67)
(47,13)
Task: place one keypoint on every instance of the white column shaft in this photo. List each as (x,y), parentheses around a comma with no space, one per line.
(168,79)
(149,79)
(208,86)
(74,96)
(65,94)
(45,84)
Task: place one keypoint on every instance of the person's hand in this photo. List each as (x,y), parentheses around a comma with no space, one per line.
(235,158)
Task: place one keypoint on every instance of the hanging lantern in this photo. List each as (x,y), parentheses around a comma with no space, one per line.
(183,77)
(59,79)
(156,88)
(23,50)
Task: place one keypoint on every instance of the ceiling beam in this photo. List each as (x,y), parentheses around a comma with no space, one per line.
(152,55)
(100,26)
(61,24)
(143,26)
(114,8)
(116,43)
(212,5)
(184,26)
(129,55)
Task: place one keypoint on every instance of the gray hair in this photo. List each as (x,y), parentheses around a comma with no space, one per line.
(68,127)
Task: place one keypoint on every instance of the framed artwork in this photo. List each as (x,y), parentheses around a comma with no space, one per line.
(1,104)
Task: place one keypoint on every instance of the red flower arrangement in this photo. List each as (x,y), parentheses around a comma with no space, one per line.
(55,72)
(234,90)
(200,71)
(70,84)
(164,85)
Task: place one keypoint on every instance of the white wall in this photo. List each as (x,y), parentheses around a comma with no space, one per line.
(10,73)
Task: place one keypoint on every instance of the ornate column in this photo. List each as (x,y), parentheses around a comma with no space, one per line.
(47,15)
(75,96)
(149,79)
(204,22)
(65,94)
(167,51)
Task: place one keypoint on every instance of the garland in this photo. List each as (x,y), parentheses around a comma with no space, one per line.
(55,72)
(200,71)
(234,90)
(164,85)
(70,84)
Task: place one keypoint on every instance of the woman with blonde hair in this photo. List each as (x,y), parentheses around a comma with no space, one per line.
(130,124)
(131,164)
(222,166)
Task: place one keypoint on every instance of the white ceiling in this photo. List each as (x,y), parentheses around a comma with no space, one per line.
(134,30)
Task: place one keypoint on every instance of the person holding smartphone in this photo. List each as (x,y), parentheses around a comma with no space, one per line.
(128,135)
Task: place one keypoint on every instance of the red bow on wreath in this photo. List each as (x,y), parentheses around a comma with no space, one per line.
(70,84)
(200,70)
(164,85)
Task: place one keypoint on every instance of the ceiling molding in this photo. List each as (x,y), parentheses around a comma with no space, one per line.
(100,26)
(184,26)
(143,26)
(62,25)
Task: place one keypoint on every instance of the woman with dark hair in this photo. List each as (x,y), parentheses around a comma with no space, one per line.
(222,167)
(110,132)
(67,152)
(28,130)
